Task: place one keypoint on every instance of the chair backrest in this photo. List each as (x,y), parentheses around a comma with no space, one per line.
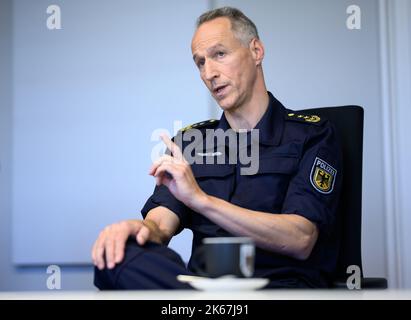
(349,122)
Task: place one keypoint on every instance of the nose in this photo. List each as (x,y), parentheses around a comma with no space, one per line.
(210,71)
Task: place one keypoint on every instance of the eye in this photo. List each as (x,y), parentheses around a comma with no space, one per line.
(200,63)
(220,54)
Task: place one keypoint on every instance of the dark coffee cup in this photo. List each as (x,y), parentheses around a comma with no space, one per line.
(224,256)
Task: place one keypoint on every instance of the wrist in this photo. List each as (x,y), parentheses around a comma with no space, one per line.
(200,202)
(157,234)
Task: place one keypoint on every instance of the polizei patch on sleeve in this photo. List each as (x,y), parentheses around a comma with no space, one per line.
(323,176)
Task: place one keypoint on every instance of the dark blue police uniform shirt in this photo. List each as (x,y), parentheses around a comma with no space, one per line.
(300,172)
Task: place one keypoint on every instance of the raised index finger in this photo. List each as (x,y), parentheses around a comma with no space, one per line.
(175,150)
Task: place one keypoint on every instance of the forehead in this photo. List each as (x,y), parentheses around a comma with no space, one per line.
(212,32)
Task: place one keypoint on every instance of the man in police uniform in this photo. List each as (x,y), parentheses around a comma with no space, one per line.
(288,207)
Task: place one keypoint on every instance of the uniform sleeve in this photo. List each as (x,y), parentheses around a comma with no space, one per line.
(314,190)
(163,197)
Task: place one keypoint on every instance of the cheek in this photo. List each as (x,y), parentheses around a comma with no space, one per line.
(234,74)
(242,72)
(248,75)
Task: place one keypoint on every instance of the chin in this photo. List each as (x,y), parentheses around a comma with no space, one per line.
(226,104)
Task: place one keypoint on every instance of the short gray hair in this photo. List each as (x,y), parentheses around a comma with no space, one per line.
(243,28)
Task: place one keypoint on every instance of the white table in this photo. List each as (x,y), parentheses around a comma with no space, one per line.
(389,294)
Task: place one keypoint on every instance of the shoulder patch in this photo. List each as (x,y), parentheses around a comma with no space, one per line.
(323,176)
(296,116)
(202,124)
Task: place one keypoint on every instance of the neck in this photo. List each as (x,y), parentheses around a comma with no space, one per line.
(250,112)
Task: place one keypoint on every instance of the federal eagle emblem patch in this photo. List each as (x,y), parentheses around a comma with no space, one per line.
(323,176)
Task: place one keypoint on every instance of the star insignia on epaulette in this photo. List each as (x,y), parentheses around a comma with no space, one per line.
(305,118)
(199,125)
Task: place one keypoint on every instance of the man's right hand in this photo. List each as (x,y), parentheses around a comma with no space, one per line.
(111,242)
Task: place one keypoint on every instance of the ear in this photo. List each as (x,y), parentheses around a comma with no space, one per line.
(257,51)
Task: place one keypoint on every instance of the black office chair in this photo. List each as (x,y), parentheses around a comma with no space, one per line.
(349,122)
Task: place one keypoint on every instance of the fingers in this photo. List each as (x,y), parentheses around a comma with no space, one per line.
(175,150)
(109,248)
(169,168)
(93,252)
(100,254)
(176,158)
(162,177)
(110,244)
(159,161)
(143,235)
(164,170)
(119,249)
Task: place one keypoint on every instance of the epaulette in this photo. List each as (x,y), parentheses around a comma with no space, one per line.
(201,124)
(296,116)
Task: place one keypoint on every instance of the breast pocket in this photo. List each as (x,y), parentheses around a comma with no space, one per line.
(215,179)
(266,190)
(277,165)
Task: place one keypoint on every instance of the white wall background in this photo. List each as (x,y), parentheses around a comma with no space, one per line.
(395,36)
(404,146)
(75,133)
(86,100)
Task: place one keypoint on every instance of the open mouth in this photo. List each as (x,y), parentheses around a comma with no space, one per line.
(219,90)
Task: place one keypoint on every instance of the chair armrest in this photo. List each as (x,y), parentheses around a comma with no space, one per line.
(339,284)
(366,283)
(374,283)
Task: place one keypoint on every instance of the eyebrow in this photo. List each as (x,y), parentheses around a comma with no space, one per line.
(213,48)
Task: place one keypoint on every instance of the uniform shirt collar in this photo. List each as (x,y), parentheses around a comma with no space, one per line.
(271,125)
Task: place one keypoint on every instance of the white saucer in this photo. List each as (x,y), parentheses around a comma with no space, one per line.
(223,283)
